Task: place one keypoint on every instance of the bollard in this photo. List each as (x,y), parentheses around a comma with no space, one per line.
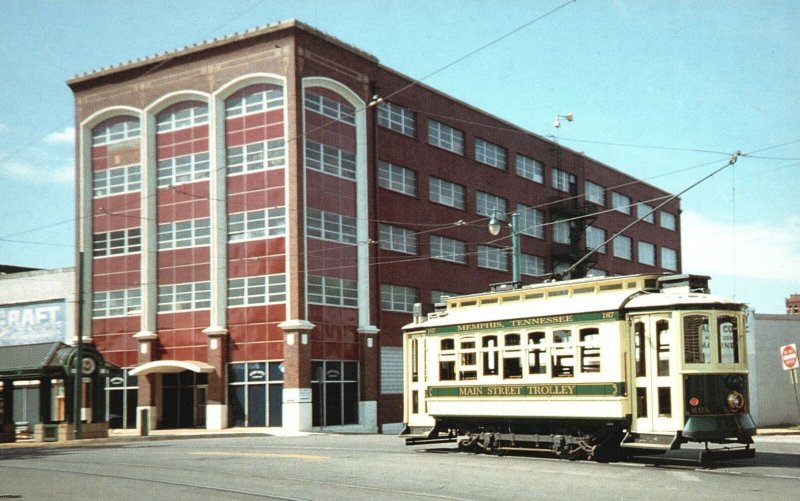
(144,422)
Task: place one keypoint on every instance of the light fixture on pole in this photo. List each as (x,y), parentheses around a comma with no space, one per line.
(568,117)
(495,223)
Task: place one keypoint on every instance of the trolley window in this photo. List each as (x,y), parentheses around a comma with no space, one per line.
(447,360)
(696,340)
(664,340)
(512,357)
(468,359)
(490,355)
(415,359)
(639,349)
(728,340)
(563,353)
(590,349)
(537,353)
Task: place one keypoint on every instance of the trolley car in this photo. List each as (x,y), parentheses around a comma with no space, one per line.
(593,367)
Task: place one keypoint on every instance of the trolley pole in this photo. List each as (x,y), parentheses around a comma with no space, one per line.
(78,394)
(793,373)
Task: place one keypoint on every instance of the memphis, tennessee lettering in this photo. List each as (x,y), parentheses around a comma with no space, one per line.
(527,390)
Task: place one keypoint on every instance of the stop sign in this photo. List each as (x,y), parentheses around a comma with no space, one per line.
(789,356)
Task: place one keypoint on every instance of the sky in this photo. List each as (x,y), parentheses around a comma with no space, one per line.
(666,91)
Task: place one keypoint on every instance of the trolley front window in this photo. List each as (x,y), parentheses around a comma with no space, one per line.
(728,340)
(696,340)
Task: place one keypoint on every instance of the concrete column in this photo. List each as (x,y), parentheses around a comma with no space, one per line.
(297,413)
(146,399)
(369,378)
(216,401)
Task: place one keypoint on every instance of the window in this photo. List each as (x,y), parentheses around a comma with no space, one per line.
(486,204)
(330,108)
(664,401)
(116,242)
(332,291)
(257,224)
(184,169)
(398,298)
(396,178)
(448,249)
(531,221)
(669,259)
(563,353)
(446,193)
(117,180)
(397,239)
(253,100)
(445,137)
(250,291)
(334,392)
(115,130)
(493,258)
(255,392)
(330,226)
(663,342)
(595,239)
(530,169)
(182,115)
(468,359)
(594,272)
(645,212)
(647,253)
(622,247)
(117,303)
(447,360)
(397,118)
(490,154)
(563,181)
(561,232)
(180,234)
(668,220)
(512,357)
(537,353)
(589,348)
(182,297)
(727,339)
(696,340)
(531,265)
(490,355)
(121,398)
(620,202)
(640,349)
(595,193)
(331,160)
(440,296)
(256,156)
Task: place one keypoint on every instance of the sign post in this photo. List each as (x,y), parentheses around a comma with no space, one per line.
(790,363)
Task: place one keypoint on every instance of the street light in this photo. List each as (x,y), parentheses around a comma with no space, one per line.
(557,122)
(495,224)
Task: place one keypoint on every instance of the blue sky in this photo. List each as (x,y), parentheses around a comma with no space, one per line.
(663,90)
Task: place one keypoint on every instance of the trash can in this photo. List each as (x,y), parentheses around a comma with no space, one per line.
(144,422)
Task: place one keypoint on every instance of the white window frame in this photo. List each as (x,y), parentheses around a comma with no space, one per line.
(183,234)
(398,298)
(184,297)
(669,259)
(330,160)
(332,291)
(117,180)
(490,154)
(621,203)
(530,168)
(257,224)
(254,102)
(486,204)
(668,220)
(642,210)
(492,258)
(257,156)
(331,226)
(397,239)
(595,237)
(446,193)
(117,132)
(397,178)
(183,169)
(117,242)
(397,118)
(646,253)
(530,265)
(561,179)
(182,118)
(448,249)
(117,303)
(257,290)
(595,193)
(445,137)
(622,247)
(330,108)
(531,221)
(561,232)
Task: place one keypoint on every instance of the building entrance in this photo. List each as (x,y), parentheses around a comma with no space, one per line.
(183,400)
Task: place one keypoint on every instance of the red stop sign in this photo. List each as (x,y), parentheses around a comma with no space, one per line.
(789,356)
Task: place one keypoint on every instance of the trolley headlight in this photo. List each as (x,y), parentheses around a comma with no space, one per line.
(735,401)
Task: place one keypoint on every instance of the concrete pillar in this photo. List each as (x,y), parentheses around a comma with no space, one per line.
(146,399)
(297,408)
(369,378)
(216,401)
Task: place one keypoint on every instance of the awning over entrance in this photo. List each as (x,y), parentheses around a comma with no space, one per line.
(170,366)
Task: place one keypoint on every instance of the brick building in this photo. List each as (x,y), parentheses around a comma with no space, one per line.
(259,213)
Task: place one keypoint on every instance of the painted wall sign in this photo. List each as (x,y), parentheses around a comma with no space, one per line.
(33,323)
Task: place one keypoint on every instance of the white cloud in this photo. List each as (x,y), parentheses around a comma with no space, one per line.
(764,249)
(32,173)
(65,136)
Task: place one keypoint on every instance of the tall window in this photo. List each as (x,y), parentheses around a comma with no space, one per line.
(622,247)
(595,238)
(257,290)
(647,253)
(561,232)
(330,226)
(253,100)
(398,298)
(669,259)
(668,220)
(255,392)
(531,265)
(117,303)
(257,224)
(397,178)
(256,156)
(645,212)
(486,204)
(620,202)
(448,249)
(530,169)
(117,180)
(115,130)
(531,221)
(493,258)
(563,180)
(445,137)
(446,193)
(332,291)
(595,193)
(334,392)
(183,169)
(398,239)
(182,115)
(490,154)
(397,118)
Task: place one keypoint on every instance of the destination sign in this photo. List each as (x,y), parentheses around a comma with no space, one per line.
(530,390)
(518,323)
